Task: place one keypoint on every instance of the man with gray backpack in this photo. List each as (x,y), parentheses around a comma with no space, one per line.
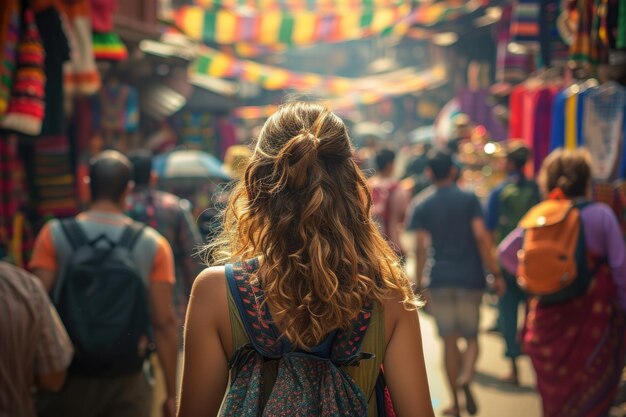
(111,280)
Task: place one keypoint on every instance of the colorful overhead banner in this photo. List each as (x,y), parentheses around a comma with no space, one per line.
(295,5)
(300,28)
(217,64)
(275,28)
(410,83)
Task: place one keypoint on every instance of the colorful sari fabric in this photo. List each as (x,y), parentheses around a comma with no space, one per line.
(577,349)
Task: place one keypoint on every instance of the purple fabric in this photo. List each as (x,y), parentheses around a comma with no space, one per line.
(474,105)
(603,238)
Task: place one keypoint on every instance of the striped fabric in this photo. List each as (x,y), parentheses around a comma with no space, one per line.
(33,340)
(55,181)
(9,36)
(581,50)
(8,200)
(109,47)
(525,27)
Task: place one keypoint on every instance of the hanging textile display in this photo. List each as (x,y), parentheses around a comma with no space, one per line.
(531,117)
(107,44)
(26,107)
(57,51)
(81,74)
(475,105)
(55,180)
(116,113)
(512,65)
(16,233)
(600,27)
(10,23)
(534,26)
(109,47)
(603,132)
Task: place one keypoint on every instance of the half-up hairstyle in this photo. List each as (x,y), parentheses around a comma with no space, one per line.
(303,207)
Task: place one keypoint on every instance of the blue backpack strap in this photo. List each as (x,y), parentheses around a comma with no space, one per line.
(347,347)
(254,313)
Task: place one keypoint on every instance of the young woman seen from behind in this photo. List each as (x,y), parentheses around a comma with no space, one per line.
(302,210)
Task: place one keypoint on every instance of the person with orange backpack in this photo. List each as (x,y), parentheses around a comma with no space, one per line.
(569,256)
(311,301)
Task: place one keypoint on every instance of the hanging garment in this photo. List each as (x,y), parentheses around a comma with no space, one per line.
(557,132)
(55,180)
(582,50)
(81,74)
(10,26)
(571,111)
(512,67)
(26,107)
(554,51)
(117,109)
(543,102)
(57,53)
(516,112)
(603,129)
(525,23)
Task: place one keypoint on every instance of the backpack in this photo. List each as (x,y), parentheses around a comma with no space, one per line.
(381,203)
(553,262)
(515,200)
(103,303)
(308,383)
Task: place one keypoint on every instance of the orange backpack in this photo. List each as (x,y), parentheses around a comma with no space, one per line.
(553,260)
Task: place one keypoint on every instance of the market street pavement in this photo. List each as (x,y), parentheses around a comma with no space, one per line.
(495,399)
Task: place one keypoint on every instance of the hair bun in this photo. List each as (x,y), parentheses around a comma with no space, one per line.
(296,159)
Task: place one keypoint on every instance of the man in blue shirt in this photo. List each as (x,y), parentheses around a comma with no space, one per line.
(450,222)
(508,203)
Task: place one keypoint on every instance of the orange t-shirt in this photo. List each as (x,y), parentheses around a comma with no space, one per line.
(46,254)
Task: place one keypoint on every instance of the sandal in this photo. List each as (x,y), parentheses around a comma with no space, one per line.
(470,403)
(451,412)
(512,379)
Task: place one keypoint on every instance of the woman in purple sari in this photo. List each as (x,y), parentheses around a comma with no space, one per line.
(578,347)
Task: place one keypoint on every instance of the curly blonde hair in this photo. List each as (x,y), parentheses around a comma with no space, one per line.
(303,208)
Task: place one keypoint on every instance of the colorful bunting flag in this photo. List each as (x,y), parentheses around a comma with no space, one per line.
(298,28)
(431,78)
(297,5)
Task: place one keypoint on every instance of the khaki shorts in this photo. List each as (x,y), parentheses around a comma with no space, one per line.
(456,311)
(124,396)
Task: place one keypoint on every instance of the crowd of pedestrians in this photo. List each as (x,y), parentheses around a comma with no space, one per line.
(310,263)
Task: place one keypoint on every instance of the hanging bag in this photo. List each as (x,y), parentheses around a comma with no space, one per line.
(308,383)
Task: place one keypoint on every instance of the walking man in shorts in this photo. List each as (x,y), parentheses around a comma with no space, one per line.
(450,222)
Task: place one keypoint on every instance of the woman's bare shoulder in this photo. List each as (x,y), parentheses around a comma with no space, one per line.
(209,287)
(395,311)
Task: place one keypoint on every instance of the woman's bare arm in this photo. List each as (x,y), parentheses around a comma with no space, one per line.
(205,366)
(405,370)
